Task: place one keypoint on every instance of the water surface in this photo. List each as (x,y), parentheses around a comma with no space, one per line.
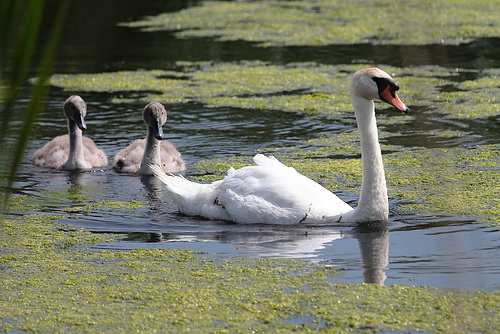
(439,251)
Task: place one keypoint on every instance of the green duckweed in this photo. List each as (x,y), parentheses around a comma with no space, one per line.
(457,181)
(54,282)
(109,205)
(326,22)
(307,88)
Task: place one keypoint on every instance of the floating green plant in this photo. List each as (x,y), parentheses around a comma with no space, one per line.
(473,98)
(308,88)
(18,204)
(458,181)
(109,205)
(53,282)
(326,22)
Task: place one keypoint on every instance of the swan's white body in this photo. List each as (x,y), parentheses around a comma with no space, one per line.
(272,193)
(72,151)
(269,193)
(137,156)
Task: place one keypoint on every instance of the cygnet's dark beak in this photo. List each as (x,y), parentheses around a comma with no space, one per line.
(157,130)
(80,122)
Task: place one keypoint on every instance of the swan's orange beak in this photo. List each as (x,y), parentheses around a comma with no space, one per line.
(388,95)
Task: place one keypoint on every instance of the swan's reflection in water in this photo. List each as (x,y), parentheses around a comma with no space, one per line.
(270,241)
(282,242)
(161,226)
(373,240)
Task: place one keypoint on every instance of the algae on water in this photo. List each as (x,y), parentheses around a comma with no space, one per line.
(326,22)
(308,88)
(53,282)
(458,181)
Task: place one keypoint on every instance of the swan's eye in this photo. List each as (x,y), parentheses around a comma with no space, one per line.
(394,86)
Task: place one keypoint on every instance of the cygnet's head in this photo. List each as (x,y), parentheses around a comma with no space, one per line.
(155,116)
(75,109)
(374,84)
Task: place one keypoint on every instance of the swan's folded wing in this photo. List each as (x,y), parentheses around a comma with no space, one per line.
(271,162)
(259,194)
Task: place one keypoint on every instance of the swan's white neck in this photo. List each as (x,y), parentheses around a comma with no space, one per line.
(151,151)
(75,157)
(373,203)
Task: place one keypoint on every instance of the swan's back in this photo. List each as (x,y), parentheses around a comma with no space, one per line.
(272,193)
(268,193)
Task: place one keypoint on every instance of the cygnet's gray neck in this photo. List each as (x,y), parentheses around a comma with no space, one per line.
(151,151)
(75,157)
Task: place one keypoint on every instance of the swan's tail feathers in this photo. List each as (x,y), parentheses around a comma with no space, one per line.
(193,198)
(271,162)
(158,172)
(175,183)
(181,187)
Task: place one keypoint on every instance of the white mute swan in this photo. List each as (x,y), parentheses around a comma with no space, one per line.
(152,150)
(72,151)
(272,193)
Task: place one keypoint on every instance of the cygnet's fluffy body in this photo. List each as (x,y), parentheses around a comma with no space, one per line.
(72,151)
(152,150)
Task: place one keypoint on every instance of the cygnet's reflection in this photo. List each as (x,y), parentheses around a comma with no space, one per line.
(75,177)
(66,184)
(154,186)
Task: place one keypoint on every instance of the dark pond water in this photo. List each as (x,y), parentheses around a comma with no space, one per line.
(444,252)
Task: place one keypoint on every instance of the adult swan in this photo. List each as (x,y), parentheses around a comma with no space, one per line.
(272,193)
